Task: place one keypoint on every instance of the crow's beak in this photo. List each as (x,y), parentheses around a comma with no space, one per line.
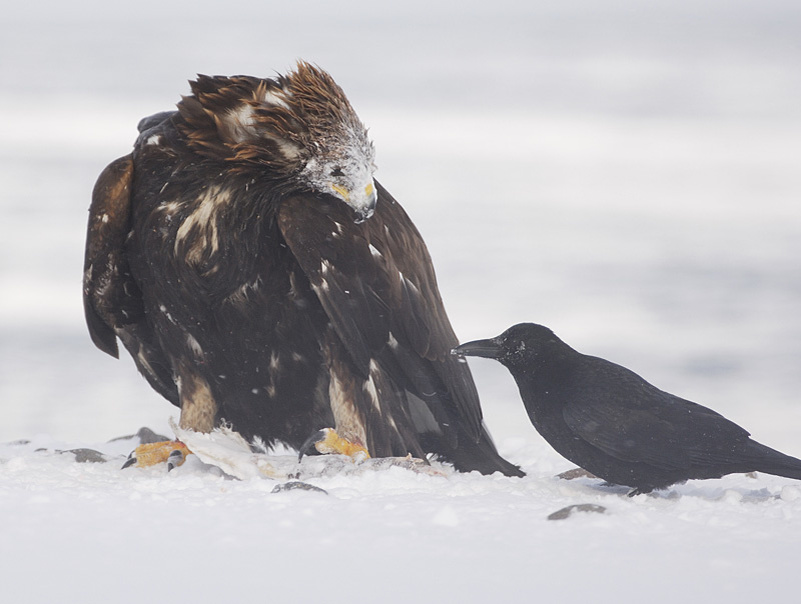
(488,349)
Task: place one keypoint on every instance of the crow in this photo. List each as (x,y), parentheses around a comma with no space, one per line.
(611,422)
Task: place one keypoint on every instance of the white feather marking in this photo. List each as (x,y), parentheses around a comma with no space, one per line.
(274,362)
(275,97)
(204,219)
(374,251)
(238,124)
(143,360)
(249,129)
(325,266)
(241,126)
(163,309)
(194,345)
(241,294)
(409,284)
(153,140)
(289,150)
(170,207)
(370,387)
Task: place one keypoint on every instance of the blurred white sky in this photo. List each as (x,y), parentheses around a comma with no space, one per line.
(662,57)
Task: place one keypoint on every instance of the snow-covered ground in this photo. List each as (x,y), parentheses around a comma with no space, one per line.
(626,173)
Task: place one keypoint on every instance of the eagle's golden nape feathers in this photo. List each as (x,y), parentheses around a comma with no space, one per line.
(317,95)
(304,108)
(300,124)
(263,278)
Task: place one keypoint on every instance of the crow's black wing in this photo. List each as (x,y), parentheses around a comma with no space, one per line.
(621,414)
(376,282)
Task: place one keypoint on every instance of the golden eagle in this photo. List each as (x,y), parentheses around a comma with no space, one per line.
(259,276)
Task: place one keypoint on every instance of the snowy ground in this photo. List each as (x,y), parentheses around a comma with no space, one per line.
(628,176)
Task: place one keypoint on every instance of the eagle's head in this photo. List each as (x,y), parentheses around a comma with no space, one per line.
(299,127)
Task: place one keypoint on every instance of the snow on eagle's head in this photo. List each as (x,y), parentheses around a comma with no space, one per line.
(300,126)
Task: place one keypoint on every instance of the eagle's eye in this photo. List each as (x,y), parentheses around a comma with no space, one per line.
(337,172)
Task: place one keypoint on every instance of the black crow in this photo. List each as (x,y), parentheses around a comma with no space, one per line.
(613,423)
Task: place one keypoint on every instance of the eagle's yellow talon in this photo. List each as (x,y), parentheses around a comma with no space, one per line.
(171,452)
(328,442)
(334,443)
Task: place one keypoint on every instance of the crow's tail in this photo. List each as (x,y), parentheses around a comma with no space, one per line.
(774,462)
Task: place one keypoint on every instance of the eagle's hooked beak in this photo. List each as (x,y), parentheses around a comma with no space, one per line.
(489,349)
(363,203)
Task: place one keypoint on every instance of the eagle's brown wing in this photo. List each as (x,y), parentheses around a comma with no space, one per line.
(103,282)
(111,298)
(377,284)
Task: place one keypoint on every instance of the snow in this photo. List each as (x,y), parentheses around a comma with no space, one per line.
(196,535)
(628,175)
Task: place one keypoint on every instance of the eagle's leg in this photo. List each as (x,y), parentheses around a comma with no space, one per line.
(327,442)
(346,392)
(198,410)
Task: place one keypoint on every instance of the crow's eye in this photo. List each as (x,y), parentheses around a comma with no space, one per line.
(337,172)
